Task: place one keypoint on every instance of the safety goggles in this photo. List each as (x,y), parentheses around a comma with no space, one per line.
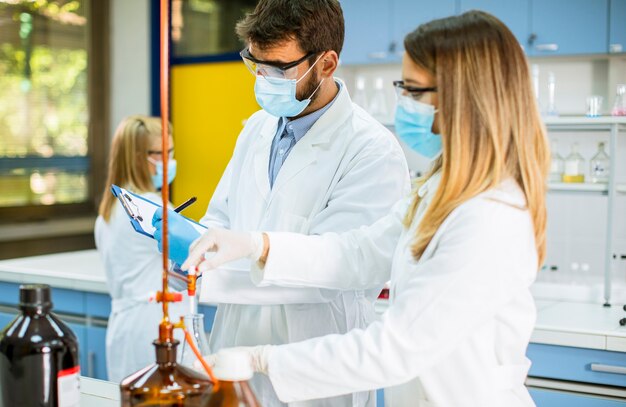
(158,155)
(412,92)
(272,69)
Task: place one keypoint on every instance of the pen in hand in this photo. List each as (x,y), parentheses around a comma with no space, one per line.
(185,204)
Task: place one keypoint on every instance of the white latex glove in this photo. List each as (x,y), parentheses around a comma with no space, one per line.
(257,355)
(227,246)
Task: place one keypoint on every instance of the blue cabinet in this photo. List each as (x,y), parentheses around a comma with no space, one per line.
(514,13)
(409,14)
(617,26)
(368,31)
(568,27)
(554,398)
(5,319)
(96,352)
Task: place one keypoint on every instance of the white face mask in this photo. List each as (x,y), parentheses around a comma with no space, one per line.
(277,96)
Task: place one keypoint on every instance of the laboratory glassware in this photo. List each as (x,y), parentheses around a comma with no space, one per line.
(194,324)
(166,383)
(378,105)
(600,166)
(233,370)
(594,106)
(556,164)
(360,96)
(551,110)
(574,164)
(39,364)
(619,106)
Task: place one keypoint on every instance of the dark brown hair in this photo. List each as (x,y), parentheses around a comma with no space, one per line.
(316,25)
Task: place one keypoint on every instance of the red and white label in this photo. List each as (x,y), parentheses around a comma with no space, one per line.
(68,387)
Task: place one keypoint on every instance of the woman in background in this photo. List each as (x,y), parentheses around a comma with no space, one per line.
(132,262)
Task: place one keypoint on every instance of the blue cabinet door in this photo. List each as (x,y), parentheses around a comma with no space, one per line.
(514,13)
(79,331)
(568,27)
(409,14)
(368,31)
(6,318)
(96,353)
(553,398)
(617,26)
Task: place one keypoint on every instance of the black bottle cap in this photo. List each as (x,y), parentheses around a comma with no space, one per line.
(35,295)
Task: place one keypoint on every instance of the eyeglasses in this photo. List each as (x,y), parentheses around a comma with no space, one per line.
(415,93)
(272,69)
(158,154)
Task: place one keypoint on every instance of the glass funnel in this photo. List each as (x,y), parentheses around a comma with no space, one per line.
(166,383)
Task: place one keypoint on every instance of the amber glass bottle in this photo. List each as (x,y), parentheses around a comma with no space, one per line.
(166,383)
(233,370)
(38,355)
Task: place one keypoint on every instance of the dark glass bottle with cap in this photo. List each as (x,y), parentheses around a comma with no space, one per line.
(39,363)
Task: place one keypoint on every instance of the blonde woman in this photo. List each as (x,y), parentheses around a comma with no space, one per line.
(461,252)
(132,262)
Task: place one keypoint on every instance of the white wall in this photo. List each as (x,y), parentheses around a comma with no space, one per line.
(130,59)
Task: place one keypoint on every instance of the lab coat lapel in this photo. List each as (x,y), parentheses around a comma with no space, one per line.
(304,153)
(262,156)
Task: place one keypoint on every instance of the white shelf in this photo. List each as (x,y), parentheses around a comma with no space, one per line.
(579,187)
(621,188)
(566,120)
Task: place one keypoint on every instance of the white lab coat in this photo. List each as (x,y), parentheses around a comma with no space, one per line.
(459,321)
(347,171)
(133,268)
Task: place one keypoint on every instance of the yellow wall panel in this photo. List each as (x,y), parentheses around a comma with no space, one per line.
(209,104)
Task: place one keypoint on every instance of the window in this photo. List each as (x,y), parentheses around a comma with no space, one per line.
(53,140)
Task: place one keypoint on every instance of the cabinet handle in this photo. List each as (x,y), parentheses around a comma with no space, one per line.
(91,364)
(377,55)
(597,367)
(547,47)
(615,48)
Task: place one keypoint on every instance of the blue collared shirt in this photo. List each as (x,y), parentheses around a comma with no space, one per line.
(288,133)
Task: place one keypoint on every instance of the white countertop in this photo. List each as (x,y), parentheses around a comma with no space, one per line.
(98,393)
(566,323)
(81,270)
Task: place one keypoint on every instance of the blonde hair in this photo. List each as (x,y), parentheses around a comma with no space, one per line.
(489,122)
(128,160)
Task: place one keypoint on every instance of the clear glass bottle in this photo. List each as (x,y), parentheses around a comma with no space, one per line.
(194,323)
(551,109)
(233,370)
(39,364)
(619,106)
(166,383)
(378,105)
(360,95)
(557,164)
(574,164)
(600,166)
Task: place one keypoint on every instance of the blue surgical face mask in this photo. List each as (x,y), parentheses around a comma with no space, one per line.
(277,96)
(157,179)
(414,122)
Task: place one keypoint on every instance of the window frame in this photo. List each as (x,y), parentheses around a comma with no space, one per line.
(98,49)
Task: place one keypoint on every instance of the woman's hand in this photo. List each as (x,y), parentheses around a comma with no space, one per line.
(227,246)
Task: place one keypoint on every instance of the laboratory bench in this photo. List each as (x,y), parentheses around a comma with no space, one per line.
(578,350)
(79,296)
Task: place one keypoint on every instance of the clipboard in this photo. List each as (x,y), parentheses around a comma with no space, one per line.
(141,210)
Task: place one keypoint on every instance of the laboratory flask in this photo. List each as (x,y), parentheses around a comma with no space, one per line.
(600,166)
(195,326)
(39,363)
(574,163)
(619,106)
(166,383)
(557,164)
(233,370)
